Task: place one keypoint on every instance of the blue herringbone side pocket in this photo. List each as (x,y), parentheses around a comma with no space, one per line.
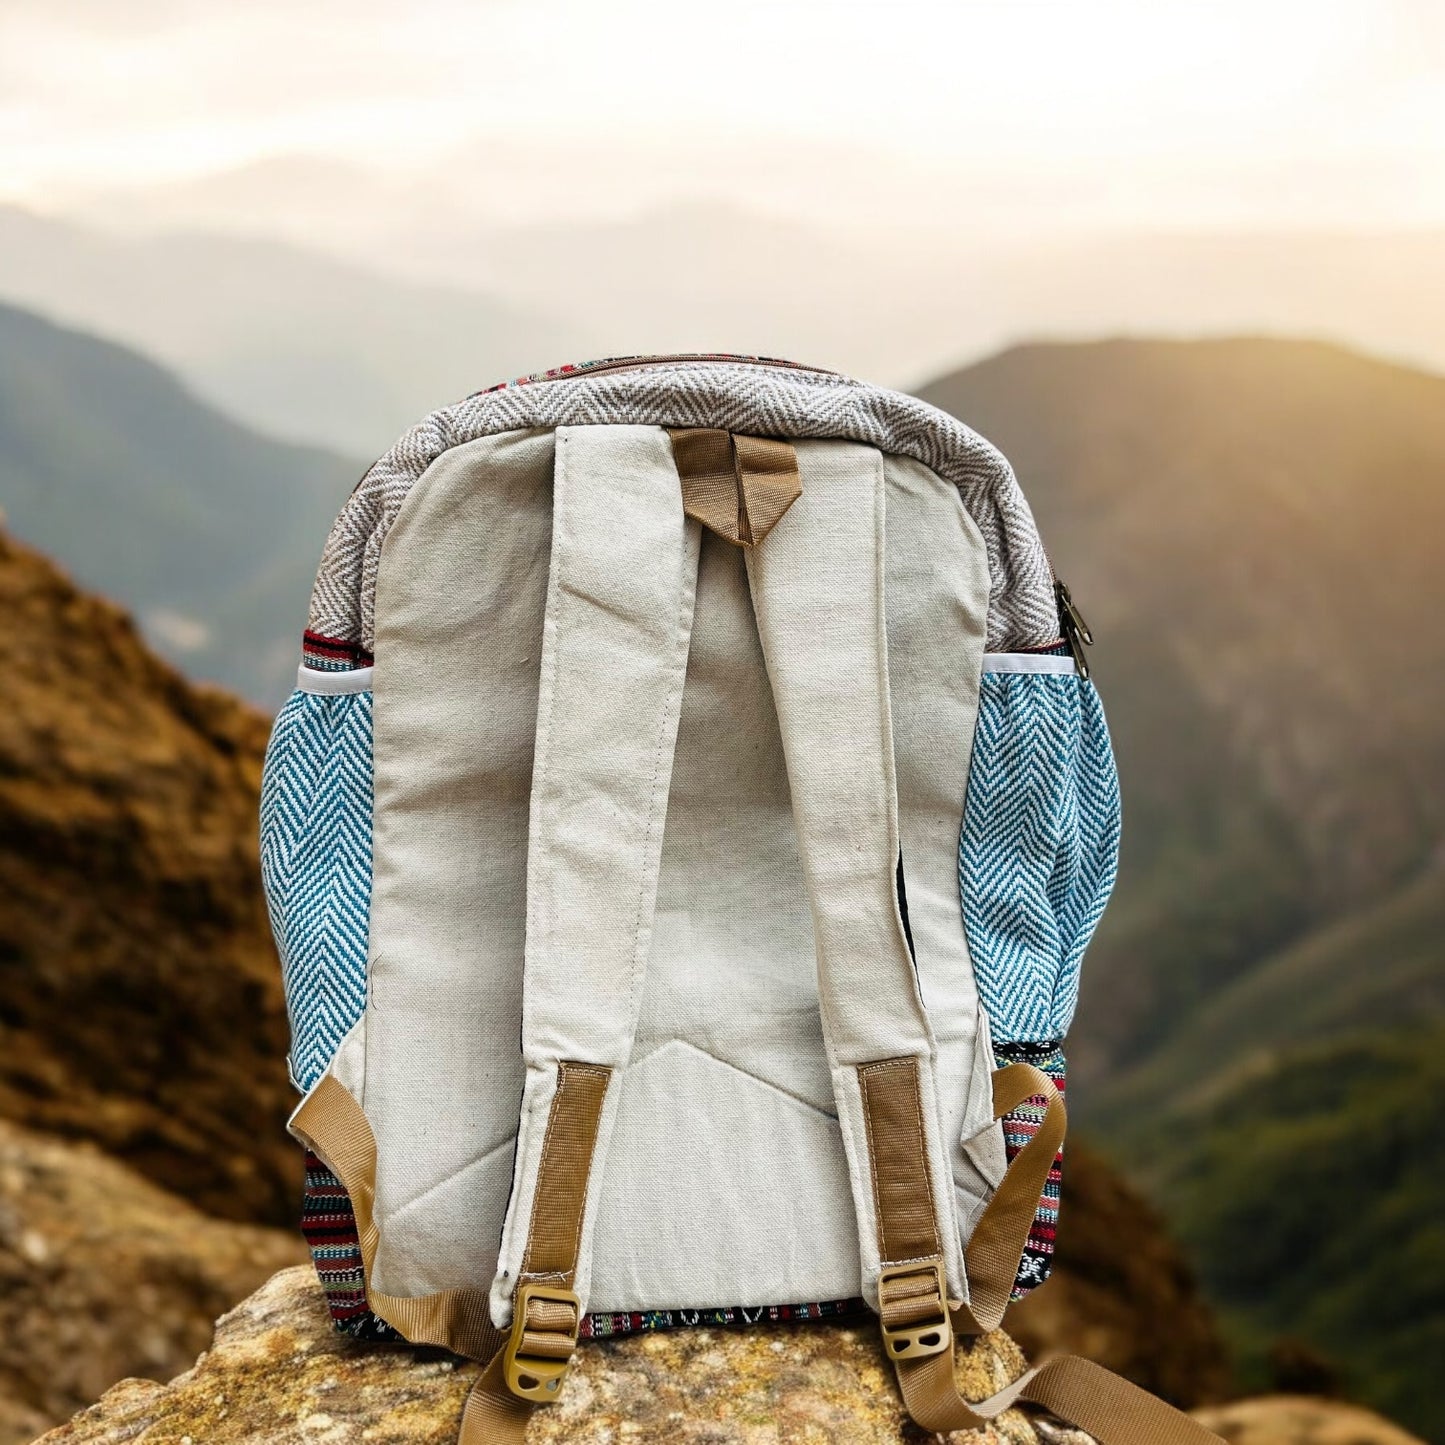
(1039,847)
(316,867)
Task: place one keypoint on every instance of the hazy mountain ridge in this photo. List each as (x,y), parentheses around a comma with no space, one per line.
(299,344)
(355,328)
(210,532)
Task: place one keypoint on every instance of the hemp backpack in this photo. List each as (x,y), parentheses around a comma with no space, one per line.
(681,846)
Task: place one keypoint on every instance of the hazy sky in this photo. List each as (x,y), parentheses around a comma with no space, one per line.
(1014,114)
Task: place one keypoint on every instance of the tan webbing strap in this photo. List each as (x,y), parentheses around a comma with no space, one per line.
(897,1155)
(916,1317)
(556,1228)
(332,1122)
(493,1415)
(735,486)
(529,1369)
(1002,1231)
(1087,1395)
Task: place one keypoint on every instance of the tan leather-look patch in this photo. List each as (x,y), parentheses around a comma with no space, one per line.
(736,486)
(560,1199)
(898,1158)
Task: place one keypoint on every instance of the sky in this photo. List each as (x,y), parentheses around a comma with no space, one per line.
(1010,115)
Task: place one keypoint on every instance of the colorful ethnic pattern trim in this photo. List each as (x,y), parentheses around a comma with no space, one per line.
(604,1326)
(331,654)
(329,1225)
(1018,1128)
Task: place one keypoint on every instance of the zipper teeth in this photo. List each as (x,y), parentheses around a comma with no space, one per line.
(638,363)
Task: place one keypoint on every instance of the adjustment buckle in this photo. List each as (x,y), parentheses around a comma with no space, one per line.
(539,1353)
(913,1309)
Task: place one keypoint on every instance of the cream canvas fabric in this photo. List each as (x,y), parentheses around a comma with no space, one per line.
(726,1178)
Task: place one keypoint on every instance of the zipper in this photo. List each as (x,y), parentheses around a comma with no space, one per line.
(635,363)
(1071,622)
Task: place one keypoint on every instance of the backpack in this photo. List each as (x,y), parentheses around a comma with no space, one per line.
(681,846)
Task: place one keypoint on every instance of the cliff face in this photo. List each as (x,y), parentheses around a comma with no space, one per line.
(140,1005)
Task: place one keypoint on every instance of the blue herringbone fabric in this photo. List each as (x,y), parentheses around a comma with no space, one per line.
(1039,847)
(316,867)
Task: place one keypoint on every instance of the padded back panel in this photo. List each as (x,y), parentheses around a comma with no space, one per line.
(726,1183)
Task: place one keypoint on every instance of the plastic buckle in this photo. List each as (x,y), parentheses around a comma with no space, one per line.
(539,1377)
(918,1287)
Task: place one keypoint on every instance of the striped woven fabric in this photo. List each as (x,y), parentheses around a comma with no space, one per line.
(1018,1128)
(328,1223)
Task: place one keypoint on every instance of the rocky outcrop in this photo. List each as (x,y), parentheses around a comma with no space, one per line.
(140,1003)
(103,1275)
(277,1373)
(1297,1420)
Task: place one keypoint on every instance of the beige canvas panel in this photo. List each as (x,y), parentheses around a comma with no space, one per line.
(729,1048)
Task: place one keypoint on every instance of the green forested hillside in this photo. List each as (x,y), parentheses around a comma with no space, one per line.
(1253,529)
(1308,1190)
(207,531)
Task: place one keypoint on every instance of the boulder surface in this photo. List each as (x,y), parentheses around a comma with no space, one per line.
(278,1373)
(104,1275)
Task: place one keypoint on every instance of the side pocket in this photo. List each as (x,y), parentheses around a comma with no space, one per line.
(1040,843)
(316,804)
(1038,854)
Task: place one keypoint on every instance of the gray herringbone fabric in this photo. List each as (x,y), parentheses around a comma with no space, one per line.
(752,400)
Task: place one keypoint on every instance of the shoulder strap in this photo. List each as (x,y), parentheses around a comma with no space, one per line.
(614,656)
(818,592)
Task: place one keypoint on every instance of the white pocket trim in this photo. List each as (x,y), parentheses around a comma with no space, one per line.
(333,684)
(1028,662)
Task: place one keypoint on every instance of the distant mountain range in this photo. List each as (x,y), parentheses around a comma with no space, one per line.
(295,343)
(348,351)
(207,531)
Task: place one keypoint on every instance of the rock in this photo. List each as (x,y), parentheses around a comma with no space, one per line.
(103,1275)
(278,1373)
(1301,1420)
(1122,1293)
(140,1001)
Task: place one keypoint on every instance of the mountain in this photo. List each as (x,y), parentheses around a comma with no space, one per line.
(336,305)
(1252,528)
(293,342)
(210,532)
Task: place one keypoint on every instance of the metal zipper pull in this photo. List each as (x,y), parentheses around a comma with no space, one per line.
(1075,629)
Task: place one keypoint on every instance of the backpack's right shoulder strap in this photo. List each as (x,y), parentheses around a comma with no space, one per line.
(818,594)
